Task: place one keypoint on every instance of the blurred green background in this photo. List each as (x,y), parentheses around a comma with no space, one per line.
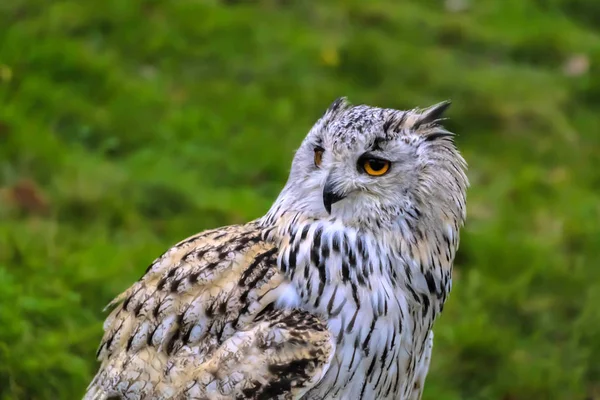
(126,125)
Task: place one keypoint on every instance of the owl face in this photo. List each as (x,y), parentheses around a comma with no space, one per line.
(366,165)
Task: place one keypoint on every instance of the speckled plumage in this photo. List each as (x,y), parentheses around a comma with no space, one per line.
(304,303)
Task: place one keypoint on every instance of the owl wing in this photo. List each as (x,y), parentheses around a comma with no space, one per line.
(202,324)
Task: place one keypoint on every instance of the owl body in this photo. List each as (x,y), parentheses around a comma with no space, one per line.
(331,295)
(378,304)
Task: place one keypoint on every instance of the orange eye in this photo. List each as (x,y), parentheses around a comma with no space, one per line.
(375,166)
(318,156)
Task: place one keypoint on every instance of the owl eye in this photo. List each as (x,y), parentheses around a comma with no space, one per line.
(318,156)
(375,166)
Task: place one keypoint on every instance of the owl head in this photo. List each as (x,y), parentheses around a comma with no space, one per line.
(373,167)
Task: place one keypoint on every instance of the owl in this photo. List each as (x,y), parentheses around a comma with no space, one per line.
(332,294)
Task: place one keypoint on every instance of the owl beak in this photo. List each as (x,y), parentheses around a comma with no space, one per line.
(330,196)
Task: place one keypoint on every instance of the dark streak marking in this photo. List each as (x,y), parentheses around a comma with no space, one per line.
(129,343)
(356,343)
(430,282)
(345,272)
(151,335)
(172,340)
(257,260)
(335,243)
(332,300)
(352,321)
(365,344)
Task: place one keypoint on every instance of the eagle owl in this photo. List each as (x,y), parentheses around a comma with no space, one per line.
(331,295)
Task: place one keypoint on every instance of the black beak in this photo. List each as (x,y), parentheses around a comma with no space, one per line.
(330,196)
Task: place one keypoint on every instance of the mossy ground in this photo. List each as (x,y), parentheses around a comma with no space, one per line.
(128,125)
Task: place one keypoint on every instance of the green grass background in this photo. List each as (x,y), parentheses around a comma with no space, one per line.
(128,125)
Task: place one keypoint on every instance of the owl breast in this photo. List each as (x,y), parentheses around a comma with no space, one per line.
(380,324)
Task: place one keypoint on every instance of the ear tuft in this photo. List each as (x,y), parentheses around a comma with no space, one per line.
(433,114)
(339,105)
